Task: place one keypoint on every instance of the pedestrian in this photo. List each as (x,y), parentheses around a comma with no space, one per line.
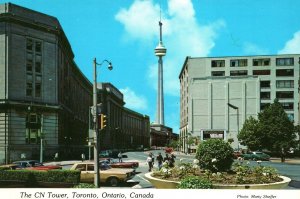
(166,158)
(159,159)
(82,157)
(172,160)
(150,162)
(56,157)
(120,156)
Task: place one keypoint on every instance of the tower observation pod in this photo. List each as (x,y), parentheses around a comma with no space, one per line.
(160,51)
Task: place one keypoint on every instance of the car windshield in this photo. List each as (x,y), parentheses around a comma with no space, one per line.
(104,166)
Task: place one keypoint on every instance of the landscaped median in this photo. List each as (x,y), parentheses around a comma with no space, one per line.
(28,178)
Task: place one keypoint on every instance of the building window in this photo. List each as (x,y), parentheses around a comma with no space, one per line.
(38,66)
(284,72)
(284,61)
(33,68)
(37,90)
(29,89)
(218,73)
(265,95)
(261,62)
(261,72)
(265,84)
(285,84)
(238,63)
(288,105)
(38,47)
(33,128)
(238,73)
(285,94)
(218,63)
(29,44)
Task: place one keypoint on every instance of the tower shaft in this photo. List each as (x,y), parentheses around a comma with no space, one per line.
(160,51)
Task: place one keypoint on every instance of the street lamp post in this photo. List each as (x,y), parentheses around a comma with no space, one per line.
(96,128)
(237,118)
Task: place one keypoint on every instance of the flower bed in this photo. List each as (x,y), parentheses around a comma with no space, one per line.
(242,176)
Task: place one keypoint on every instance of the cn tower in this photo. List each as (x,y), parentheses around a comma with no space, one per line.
(160,51)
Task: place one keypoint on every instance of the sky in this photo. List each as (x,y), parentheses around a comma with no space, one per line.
(126,32)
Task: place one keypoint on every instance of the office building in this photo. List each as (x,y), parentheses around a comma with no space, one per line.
(217,94)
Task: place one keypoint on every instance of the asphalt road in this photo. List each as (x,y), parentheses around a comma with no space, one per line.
(290,170)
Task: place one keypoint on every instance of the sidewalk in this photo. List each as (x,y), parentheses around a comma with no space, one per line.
(288,161)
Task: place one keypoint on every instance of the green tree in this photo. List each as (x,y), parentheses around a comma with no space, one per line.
(273,131)
(279,135)
(250,136)
(174,144)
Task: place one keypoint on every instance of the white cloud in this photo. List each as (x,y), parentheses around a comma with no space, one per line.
(139,20)
(292,46)
(182,35)
(134,101)
(253,49)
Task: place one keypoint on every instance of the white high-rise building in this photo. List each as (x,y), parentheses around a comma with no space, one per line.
(217,94)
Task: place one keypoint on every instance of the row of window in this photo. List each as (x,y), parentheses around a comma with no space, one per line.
(33,68)
(255,62)
(279,73)
(279,84)
(279,95)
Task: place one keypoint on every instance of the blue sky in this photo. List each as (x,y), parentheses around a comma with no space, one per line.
(126,32)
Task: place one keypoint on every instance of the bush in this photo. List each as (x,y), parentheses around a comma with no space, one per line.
(215,155)
(33,178)
(194,182)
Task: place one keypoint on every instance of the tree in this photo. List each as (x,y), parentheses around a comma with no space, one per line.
(174,144)
(272,131)
(277,129)
(250,136)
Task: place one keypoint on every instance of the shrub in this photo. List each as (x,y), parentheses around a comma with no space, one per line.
(194,182)
(215,155)
(32,178)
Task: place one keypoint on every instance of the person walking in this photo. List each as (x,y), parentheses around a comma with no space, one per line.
(120,157)
(150,162)
(82,157)
(172,160)
(159,159)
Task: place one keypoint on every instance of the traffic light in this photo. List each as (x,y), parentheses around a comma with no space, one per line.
(103,121)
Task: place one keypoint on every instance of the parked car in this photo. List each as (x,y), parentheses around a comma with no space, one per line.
(115,164)
(256,155)
(109,175)
(34,165)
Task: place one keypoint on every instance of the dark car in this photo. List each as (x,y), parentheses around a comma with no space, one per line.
(256,155)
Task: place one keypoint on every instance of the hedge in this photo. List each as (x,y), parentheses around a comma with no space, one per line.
(31,178)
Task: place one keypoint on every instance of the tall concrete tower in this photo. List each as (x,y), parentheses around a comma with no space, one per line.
(160,51)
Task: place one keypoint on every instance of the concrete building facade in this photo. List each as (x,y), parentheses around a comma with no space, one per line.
(45,99)
(217,94)
(40,86)
(126,129)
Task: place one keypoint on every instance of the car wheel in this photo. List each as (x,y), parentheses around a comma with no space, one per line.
(113,181)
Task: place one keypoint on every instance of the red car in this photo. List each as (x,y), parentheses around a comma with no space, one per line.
(116,164)
(35,165)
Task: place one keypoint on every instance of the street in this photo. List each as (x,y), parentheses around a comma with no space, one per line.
(290,170)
